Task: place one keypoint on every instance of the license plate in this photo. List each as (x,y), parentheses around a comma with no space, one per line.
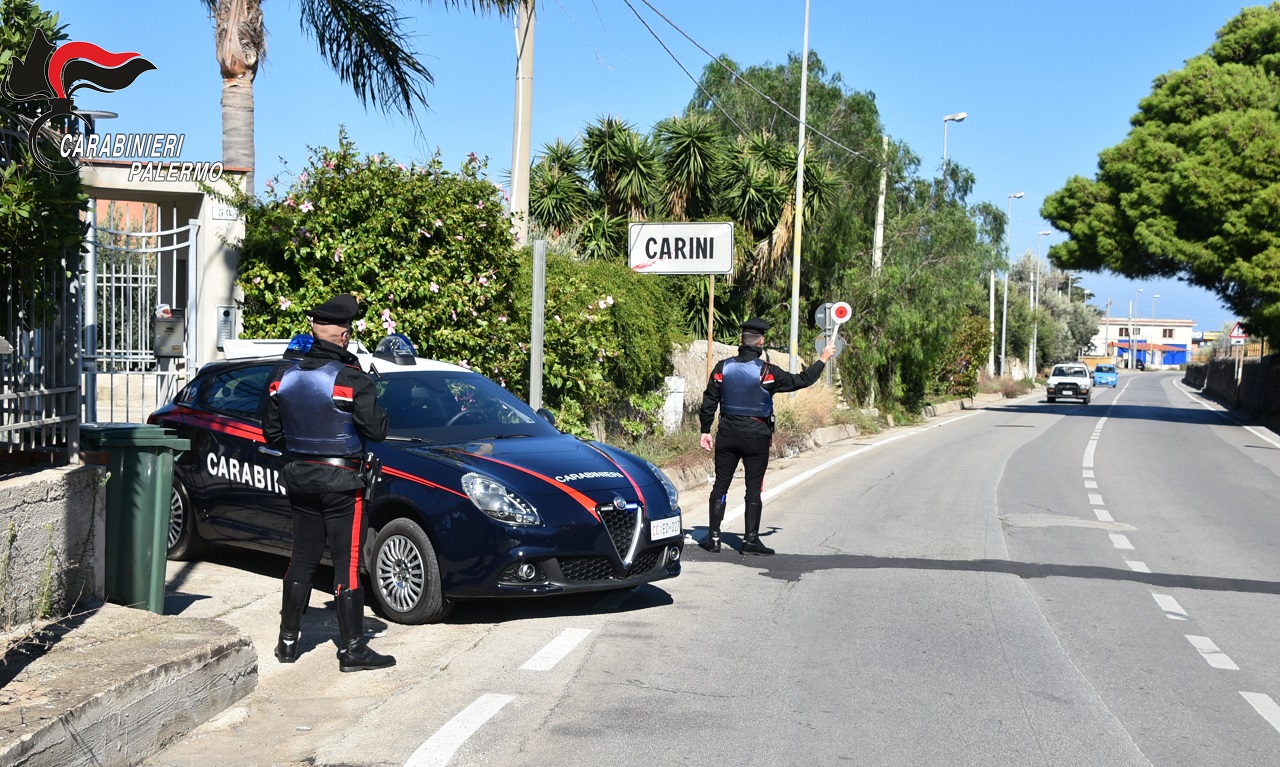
(664,528)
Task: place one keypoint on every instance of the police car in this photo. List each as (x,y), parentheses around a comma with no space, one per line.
(479,495)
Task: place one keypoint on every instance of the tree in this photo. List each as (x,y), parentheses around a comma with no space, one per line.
(361,40)
(1194,189)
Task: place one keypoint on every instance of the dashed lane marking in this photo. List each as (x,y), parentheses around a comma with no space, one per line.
(1136,566)
(1095,499)
(1120,541)
(1171,608)
(1103,515)
(1265,706)
(439,748)
(556,650)
(1210,652)
(1089,484)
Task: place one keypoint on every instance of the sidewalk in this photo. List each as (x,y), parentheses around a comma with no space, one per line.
(120,684)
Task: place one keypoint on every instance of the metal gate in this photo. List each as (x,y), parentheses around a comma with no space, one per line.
(138,289)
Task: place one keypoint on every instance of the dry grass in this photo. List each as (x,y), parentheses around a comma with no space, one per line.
(809,409)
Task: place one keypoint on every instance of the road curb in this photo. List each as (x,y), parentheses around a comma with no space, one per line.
(119,684)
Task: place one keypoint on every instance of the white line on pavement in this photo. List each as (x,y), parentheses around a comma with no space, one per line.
(556,650)
(1222,412)
(1136,566)
(1088,453)
(1095,499)
(1089,484)
(1104,515)
(439,748)
(1264,705)
(1088,473)
(1120,541)
(1210,652)
(1170,606)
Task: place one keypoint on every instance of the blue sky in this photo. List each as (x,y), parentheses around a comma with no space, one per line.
(1047,84)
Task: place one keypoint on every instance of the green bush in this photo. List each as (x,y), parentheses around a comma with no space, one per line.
(430,254)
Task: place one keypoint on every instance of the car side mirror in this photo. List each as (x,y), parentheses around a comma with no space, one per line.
(551,419)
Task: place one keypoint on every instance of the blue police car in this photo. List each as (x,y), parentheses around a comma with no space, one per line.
(479,495)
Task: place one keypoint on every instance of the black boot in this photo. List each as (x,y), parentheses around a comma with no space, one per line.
(751,540)
(293,605)
(714,517)
(353,649)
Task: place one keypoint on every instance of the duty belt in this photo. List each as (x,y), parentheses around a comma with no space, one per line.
(351,464)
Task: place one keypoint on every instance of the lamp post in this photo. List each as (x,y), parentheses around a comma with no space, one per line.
(1133,354)
(1004,319)
(1153,305)
(1035,303)
(958,117)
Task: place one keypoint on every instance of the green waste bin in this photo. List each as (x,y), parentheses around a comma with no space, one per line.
(140,462)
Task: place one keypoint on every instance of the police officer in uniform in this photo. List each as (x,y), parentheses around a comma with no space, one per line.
(742,387)
(322,412)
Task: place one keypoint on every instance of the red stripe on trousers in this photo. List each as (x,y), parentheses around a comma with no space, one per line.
(356,526)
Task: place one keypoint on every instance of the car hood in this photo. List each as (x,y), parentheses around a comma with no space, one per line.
(542,465)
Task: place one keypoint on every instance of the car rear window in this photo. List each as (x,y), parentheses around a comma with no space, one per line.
(1105,369)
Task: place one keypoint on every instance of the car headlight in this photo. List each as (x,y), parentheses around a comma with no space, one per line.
(673,495)
(494,499)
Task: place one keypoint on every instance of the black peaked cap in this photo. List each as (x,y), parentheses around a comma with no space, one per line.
(756,325)
(340,308)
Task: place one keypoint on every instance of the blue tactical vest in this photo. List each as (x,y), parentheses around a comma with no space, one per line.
(312,424)
(741,392)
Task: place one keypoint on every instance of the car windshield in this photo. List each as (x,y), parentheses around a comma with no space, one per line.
(1105,369)
(444,406)
(1063,371)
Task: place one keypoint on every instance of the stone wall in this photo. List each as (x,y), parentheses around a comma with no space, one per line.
(51,550)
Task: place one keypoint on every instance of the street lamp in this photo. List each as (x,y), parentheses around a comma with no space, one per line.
(1035,302)
(1133,358)
(1004,320)
(1153,305)
(958,117)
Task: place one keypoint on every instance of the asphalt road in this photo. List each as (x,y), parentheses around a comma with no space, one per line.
(1033,584)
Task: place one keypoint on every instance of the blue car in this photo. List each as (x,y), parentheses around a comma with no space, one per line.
(1106,375)
(479,495)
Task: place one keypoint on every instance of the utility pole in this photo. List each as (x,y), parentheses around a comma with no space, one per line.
(799,207)
(877,249)
(520,141)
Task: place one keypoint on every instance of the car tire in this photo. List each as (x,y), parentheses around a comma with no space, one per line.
(183,538)
(405,575)
(1053,399)
(1087,397)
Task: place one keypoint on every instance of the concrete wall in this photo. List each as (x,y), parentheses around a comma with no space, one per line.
(52,544)
(1252,383)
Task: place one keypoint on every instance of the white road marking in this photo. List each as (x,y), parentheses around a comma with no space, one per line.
(1088,473)
(1090,484)
(1264,705)
(439,748)
(1213,408)
(1210,652)
(1088,453)
(1101,421)
(1136,566)
(740,509)
(1120,541)
(1095,499)
(556,650)
(1170,606)
(1104,515)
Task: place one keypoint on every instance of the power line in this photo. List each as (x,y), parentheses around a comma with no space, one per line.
(737,77)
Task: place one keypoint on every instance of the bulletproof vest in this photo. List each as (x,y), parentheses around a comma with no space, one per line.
(741,392)
(312,424)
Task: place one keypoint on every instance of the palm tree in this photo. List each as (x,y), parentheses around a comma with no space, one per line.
(361,40)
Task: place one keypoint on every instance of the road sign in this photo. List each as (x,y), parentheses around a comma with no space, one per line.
(820,343)
(1237,335)
(822,315)
(681,248)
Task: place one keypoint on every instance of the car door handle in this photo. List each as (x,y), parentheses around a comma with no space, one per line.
(268,451)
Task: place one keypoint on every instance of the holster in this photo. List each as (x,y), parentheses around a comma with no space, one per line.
(370,470)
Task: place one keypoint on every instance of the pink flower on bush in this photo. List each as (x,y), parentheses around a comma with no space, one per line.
(337,254)
(608,300)
(424,233)
(454,314)
(502,318)
(270,184)
(257,280)
(361,325)
(465,364)
(435,288)
(400,165)
(386,314)
(329,165)
(484,280)
(303,178)
(458,237)
(480,205)
(439,223)
(377,158)
(306,206)
(285,303)
(289,201)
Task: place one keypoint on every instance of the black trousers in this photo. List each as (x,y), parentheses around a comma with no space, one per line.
(333,519)
(753,451)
